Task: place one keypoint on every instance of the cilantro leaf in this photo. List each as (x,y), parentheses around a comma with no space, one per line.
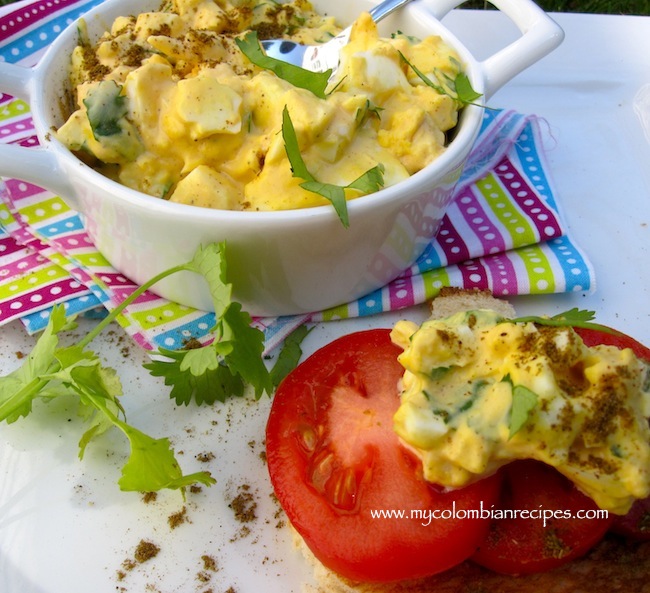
(289,355)
(50,371)
(191,382)
(464,90)
(247,346)
(21,387)
(370,181)
(573,318)
(524,401)
(105,106)
(107,113)
(459,88)
(151,465)
(292,148)
(105,380)
(210,262)
(316,82)
(216,371)
(365,113)
(334,193)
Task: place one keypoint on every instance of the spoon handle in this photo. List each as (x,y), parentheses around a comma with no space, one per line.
(383,9)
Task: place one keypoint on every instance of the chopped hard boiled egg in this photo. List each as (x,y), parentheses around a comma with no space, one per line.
(480,391)
(180,104)
(203,107)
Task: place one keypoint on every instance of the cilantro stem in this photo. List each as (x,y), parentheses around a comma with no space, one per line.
(370,181)
(114,313)
(573,318)
(22,397)
(28,391)
(76,370)
(459,88)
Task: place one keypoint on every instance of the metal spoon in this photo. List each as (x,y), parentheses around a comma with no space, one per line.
(319,58)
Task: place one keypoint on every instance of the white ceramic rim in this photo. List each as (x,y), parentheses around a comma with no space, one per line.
(540,34)
(464,134)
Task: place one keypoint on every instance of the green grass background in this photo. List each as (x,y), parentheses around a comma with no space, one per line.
(634,7)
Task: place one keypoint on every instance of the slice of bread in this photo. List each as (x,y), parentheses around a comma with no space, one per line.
(613,565)
(452,300)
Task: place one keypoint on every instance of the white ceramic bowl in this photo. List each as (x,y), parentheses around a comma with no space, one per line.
(284,262)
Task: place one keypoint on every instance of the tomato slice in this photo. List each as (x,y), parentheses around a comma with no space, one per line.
(636,524)
(334,460)
(522,541)
(593,337)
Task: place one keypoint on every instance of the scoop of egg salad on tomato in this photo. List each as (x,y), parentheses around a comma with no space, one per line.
(167,103)
(480,391)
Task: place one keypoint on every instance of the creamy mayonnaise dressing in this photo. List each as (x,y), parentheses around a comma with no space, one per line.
(167,103)
(480,391)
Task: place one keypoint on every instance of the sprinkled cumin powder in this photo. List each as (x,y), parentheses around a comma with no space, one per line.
(244,505)
(209,563)
(145,550)
(176,519)
(134,55)
(96,70)
(149,497)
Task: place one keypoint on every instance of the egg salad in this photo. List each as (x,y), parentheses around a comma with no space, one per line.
(167,103)
(480,391)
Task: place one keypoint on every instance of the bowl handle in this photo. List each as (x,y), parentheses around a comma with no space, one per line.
(38,166)
(540,35)
(16,80)
(35,165)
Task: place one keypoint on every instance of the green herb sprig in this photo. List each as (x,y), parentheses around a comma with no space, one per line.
(316,82)
(370,110)
(370,181)
(572,318)
(106,106)
(206,374)
(290,355)
(524,401)
(107,110)
(459,88)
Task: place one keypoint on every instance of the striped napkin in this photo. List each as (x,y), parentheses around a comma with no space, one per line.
(504,231)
